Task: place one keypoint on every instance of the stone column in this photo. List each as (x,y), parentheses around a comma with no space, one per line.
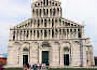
(22,35)
(32,36)
(58,34)
(66,34)
(54,63)
(16,34)
(29,35)
(19,34)
(25,34)
(49,12)
(41,12)
(62,34)
(35,34)
(34,53)
(61,57)
(43,34)
(69,33)
(51,34)
(47,34)
(11,34)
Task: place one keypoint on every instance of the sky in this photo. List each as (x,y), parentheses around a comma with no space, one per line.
(13,12)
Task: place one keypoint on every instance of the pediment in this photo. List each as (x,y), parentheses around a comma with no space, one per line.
(69,23)
(25,24)
(29,23)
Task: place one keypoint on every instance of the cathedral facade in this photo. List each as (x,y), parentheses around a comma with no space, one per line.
(49,38)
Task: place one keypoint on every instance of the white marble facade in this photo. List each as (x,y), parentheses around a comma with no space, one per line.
(49,38)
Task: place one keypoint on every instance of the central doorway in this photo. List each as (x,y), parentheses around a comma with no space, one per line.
(45,57)
(25,59)
(66,59)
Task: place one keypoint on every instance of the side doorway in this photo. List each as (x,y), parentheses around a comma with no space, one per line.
(25,59)
(66,59)
(45,57)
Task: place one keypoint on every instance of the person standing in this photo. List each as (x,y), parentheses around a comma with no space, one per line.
(1,67)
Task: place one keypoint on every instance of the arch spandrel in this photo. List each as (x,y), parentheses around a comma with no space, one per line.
(66,44)
(34,45)
(16,46)
(55,46)
(46,44)
(25,45)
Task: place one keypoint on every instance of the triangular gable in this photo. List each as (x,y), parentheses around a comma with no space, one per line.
(24,24)
(70,23)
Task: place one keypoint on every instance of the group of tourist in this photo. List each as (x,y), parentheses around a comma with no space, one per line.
(34,67)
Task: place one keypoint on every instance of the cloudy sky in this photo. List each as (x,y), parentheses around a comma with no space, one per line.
(13,12)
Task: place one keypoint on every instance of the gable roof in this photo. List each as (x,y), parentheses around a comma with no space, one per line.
(28,23)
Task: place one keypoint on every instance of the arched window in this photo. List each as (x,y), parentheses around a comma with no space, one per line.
(60,31)
(44,2)
(35,5)
(68,31)
(66,24)
(49,32)
(38,23)
(41,3)
(38,4)
(56,20)
(52,22)
(14,35)
(58,10)
(47,12)
(47,2)
(49,20)
(41,32)
(40,12)
(34,32)
(52,3)
(24,32)
(37,12)
(21,32)
(38,33)
(54,11)
(27,34)
(52,33)
(60,20)
(41,20)
(44,11)
(79,33)
(56,31)
(31,32)
(64,31)
(56,4)
(45,23)
(45,33)
(50,11)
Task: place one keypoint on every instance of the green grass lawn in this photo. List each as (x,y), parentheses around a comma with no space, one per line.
(55,69)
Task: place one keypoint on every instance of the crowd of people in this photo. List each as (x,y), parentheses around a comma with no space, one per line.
(34,67)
